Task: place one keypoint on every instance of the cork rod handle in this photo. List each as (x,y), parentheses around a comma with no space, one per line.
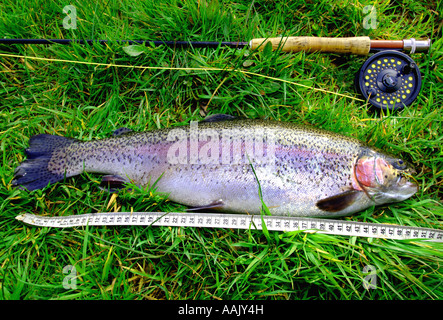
(354,45)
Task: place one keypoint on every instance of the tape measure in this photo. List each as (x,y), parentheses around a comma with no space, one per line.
(236,221)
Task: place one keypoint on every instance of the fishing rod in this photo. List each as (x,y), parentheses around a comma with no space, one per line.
(352,45)
(389,79)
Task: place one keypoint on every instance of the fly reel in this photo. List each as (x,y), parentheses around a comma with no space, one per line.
(389,80)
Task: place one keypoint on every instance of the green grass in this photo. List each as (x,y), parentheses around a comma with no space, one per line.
(90,101)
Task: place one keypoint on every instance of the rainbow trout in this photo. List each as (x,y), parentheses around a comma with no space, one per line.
(231,165)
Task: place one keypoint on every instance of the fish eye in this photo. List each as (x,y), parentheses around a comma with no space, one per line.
(399,164)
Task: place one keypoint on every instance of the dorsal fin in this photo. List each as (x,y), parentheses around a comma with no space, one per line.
(218,117)
(121,131)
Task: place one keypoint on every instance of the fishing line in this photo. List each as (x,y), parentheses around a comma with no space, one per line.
(387,80)
(108,65)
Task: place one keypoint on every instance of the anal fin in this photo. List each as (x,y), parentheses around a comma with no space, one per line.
(215,205)
(338,202)
(112,183)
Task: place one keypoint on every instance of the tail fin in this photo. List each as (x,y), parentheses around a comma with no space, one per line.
(34,173)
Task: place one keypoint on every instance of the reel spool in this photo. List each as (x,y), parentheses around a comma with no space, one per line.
(389,80)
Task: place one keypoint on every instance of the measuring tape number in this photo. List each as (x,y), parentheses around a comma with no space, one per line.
(236,221)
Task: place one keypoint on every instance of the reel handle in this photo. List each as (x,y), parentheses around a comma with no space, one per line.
(352,45)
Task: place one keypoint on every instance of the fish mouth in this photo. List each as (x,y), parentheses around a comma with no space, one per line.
(401,180)
(405,177)
(405,187)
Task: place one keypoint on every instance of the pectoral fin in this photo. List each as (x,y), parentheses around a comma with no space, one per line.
(215,205)
(338,202)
